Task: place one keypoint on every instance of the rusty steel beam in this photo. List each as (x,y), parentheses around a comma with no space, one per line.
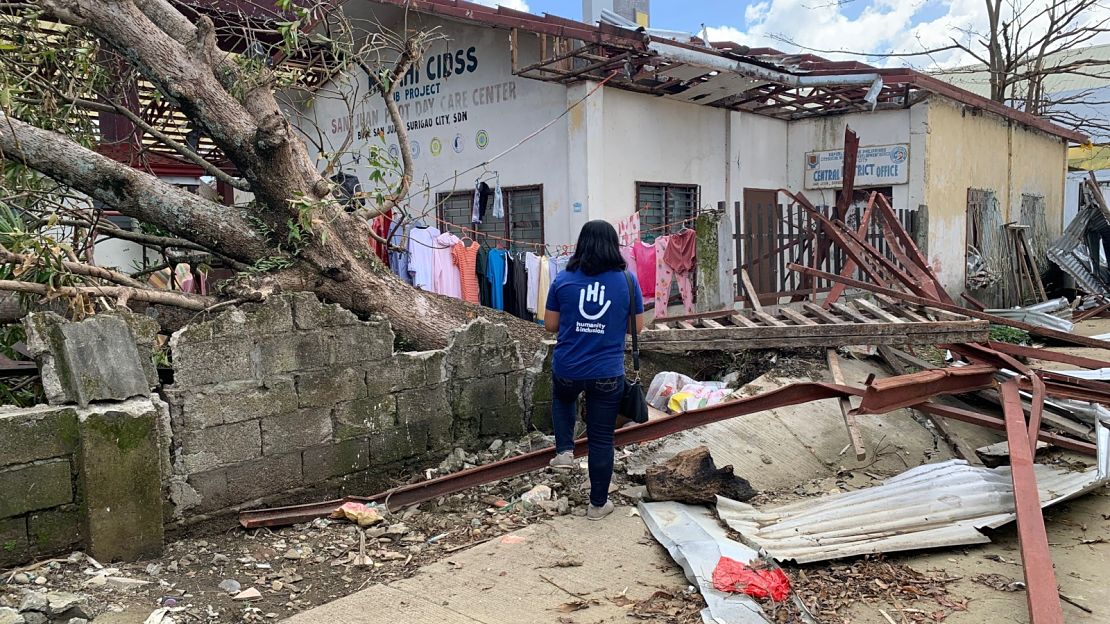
(1075,339)
(1048,356)
(998,424)
(536,460)
(891,393)
(905,392)
(1040,578)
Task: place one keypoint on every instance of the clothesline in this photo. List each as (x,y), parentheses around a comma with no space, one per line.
(543,246)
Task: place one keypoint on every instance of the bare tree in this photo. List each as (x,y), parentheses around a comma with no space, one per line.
(1025,45)
(65,62)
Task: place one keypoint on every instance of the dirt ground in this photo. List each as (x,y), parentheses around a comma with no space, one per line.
(295,569)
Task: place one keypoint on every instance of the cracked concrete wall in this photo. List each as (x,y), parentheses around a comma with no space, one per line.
(292,395)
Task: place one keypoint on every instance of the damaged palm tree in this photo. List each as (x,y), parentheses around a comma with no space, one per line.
(68,72)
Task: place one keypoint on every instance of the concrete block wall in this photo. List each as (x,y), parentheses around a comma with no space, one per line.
(39,498)
(293,393)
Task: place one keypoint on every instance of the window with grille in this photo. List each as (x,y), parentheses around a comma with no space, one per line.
(669,205)
(523,220)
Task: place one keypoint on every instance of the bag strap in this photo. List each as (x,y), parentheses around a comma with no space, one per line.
(632,327)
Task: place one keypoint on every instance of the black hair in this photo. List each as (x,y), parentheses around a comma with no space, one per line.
(598,249)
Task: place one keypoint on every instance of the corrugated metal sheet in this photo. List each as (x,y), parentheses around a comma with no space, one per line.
(697,542)
(1070,252)
(1033,318)
(929,506)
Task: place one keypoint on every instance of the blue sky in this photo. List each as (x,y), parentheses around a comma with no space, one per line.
(831,27)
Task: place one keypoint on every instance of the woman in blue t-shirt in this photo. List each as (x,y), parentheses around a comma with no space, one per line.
(588,305)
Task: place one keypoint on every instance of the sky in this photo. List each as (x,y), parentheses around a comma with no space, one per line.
(831,28)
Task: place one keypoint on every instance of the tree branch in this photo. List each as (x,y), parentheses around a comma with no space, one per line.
(77,268)
(132,192)
(148,295)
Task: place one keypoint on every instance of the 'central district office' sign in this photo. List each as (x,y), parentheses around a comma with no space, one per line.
(878,165)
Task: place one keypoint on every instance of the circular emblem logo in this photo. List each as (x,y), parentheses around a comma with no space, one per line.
(482,139)
(394,152)
(458,144)
(899,155)
(435,147)
(415,149)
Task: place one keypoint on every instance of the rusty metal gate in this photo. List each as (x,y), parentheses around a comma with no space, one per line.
(772,234)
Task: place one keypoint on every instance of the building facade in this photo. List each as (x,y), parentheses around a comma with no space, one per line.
(603,146)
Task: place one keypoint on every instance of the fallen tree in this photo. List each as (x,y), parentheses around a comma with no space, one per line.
(293,235)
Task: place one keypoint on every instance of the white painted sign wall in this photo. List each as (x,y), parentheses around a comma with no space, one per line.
(877,165)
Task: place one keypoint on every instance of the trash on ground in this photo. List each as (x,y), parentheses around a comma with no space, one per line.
(359,513)
(758,582)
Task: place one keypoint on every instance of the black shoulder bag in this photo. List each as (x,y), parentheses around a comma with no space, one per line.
(633,404)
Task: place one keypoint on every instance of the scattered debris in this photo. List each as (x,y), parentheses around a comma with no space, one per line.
(359,513)
(754,580)
(249,594)
(692,477)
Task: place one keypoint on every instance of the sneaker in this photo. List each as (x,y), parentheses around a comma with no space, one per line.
(562,461)
(597,513)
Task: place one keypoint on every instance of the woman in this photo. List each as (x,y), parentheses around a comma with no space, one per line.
(588,306)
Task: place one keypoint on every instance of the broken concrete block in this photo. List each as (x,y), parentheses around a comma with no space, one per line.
(92,360)
(119,466)
(692,477)
(13,542)
(11,616)
(309,313)
(145,330)
(35,486)
(36,433)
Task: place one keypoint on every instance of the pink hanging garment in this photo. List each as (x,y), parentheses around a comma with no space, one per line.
(645,267)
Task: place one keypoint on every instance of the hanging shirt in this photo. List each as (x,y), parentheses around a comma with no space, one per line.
(542,283)
(475,214)
(498,201)
(532,268)
(558,265)
(466,258)
(681,251)
(496,274)
(628,230)
(446,279)
(399,260)
(645,267)
(422,242)
(512,302)
(593,320)
(628,253)
(481,264)
(381,226)
(518,277)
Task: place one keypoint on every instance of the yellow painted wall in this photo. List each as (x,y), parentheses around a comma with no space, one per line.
(972,149)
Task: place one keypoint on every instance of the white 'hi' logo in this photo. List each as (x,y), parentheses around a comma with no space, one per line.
(594,294)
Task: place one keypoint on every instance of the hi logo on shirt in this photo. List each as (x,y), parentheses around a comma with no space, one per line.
(595,294)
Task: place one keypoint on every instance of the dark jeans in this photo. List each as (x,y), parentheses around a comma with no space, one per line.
(603,398)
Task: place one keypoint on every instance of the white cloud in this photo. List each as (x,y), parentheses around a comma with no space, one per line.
(519,5)
(883,27)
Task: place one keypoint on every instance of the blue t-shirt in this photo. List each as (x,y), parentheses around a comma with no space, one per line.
(593,322)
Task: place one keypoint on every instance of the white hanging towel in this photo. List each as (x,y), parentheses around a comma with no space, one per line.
(498,202)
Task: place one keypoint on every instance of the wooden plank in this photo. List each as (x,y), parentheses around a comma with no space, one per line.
(846,406)
(705,344)
(882,314)
(959,446)
(904,310)
(742,321)
(710,323)
(686,325)
(660,325)
(796,316)
(767,318)
(749,290)
(1036,330)
(1040,577)
(783,330)
(823,314)
(852,313)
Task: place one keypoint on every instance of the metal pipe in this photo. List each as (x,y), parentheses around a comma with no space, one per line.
(719,63)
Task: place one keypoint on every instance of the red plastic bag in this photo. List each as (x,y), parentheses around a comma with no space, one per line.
(737,577)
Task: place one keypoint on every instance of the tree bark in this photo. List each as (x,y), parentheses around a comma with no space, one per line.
(241,115)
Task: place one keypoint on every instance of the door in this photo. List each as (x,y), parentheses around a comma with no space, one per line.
(758,240)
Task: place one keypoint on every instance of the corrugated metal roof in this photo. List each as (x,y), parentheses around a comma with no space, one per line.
(697,542)
(930,506)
